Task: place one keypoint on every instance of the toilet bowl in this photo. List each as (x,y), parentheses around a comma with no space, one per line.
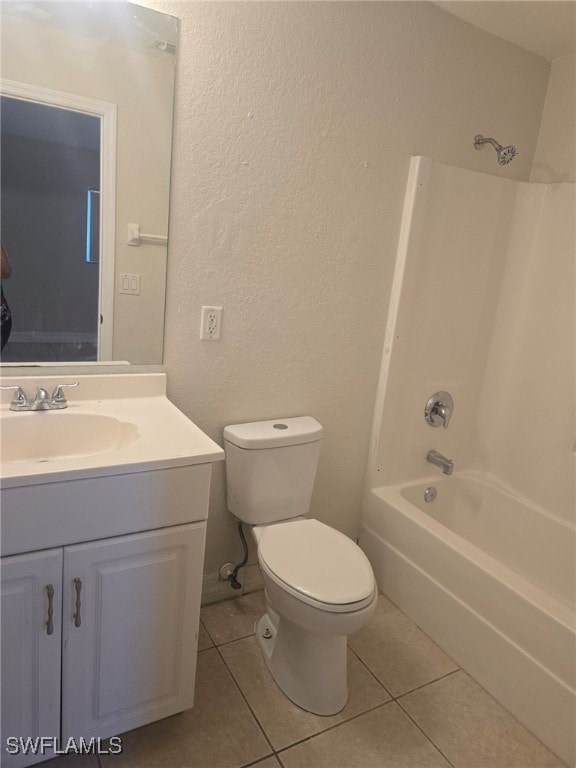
(303,635)
(319,585)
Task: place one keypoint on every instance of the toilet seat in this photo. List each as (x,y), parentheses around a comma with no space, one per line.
(317,564)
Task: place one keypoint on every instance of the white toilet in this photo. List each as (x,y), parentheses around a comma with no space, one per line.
(319,584)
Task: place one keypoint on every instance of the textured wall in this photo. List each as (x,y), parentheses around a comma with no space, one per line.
(555,158)
(295,123)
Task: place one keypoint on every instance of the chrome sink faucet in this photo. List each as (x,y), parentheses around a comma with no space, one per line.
(41,401)
(446,465)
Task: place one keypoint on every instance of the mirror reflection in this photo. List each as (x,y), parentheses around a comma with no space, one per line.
(86,118)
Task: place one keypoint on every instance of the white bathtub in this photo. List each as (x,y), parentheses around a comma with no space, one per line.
(491,579)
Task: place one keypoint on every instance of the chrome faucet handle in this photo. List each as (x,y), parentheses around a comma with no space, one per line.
(439,409)
(20,400)
(41,399)
(58,400)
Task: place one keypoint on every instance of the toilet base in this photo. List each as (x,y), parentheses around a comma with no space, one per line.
(309,669)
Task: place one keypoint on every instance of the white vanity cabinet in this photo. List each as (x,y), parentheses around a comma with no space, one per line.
(130,634)
(121,650)
(31,650)
(103,520)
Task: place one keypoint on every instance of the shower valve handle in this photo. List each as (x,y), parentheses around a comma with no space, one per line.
(439,409)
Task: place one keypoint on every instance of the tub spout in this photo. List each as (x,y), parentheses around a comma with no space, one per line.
(446,465)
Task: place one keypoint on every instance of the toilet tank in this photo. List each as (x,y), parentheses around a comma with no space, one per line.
(270,468)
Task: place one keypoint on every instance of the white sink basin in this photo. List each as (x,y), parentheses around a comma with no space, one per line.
(113,425)
(62,435)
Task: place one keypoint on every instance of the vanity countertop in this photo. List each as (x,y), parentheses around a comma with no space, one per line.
(113,425)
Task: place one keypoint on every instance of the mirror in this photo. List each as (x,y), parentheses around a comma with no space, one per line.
(87,102)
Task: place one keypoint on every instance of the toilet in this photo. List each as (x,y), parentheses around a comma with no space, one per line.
(319,585)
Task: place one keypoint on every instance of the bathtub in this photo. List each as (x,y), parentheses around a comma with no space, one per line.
(491,579)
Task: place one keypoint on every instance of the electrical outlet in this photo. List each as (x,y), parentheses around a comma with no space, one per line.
(211,323)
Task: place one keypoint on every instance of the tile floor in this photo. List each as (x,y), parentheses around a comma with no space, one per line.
(410,706)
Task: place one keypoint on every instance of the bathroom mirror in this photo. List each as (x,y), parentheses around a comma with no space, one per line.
(87,102)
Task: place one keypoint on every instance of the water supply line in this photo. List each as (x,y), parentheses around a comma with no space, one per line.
(233,576)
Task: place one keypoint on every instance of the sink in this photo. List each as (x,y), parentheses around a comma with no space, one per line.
(114,425)
(61,435)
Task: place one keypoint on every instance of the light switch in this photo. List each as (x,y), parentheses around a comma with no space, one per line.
(130,283)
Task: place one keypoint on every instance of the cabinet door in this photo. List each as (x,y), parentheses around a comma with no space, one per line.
(130,621)
(31,641)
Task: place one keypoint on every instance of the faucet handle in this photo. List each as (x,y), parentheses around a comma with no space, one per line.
(58,400)
(20,400)
(439,409)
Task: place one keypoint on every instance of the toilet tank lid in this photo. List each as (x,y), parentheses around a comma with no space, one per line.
(274,433)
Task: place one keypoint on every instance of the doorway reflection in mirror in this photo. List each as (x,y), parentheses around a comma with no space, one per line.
(50,159)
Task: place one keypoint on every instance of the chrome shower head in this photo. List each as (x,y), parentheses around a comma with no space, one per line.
(505,154)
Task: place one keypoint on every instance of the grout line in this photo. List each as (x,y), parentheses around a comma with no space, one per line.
(334,726)
(425,685)
(234,640)
(248,705)
(392,700)
(276,753)
(405,693)
(436,747)
(259,760)
(380,683)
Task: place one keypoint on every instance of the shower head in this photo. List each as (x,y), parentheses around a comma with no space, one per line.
(505,154)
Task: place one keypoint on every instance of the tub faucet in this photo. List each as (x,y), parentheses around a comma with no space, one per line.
(446,465)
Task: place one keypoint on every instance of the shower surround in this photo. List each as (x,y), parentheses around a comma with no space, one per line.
(483,306)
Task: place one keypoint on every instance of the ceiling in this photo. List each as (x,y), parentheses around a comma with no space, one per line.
(545,27)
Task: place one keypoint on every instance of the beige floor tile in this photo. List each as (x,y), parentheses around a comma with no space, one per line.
(283,722)
(400,655)
(472,729)
(220,732)
(233,619)
(72,761)
(204,640)
(269,762)
(382,738)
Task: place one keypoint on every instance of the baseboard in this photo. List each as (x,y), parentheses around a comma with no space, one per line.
(214,589)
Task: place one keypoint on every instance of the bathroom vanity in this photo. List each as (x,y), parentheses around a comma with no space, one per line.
(103,517)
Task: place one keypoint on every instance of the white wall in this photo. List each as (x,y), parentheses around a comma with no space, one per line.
(295,124)
(526,419)
(555,158)
(531,370)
